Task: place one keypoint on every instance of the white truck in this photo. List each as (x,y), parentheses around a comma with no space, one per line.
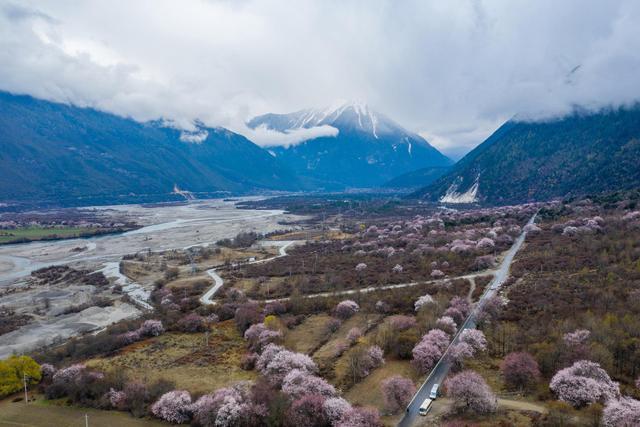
(434,392)
(425,407)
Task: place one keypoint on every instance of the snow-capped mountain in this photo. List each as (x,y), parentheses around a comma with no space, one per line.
(368,149)
(582,153)
(346,115)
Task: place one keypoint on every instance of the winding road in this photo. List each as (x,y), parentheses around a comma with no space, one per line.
(282,245)
(206,298)
(440,371)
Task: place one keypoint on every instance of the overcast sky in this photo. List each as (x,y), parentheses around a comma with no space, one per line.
(450,70)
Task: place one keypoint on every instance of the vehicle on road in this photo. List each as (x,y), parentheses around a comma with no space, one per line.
(434,392)
(425,407)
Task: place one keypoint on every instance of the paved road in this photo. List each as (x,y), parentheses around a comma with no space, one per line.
(439,372)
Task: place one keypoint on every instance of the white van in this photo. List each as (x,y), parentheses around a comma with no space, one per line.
(425,407)
(434,391)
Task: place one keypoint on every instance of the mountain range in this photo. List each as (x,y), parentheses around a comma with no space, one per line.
(69,155)
(367,150)
(62,154)
(584,152)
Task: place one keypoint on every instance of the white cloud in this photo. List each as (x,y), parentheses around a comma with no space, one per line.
(265,137)
(435,67)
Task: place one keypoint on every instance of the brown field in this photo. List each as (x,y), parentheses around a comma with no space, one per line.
(184,359)
(367,392)
(42,413)
(360,320)
(305,337)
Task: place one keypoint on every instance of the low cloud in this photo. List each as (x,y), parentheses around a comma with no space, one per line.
(265,137)
(435,67)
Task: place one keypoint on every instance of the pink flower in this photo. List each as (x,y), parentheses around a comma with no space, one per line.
(475,338)
(346,309)
(174,407)
(470,393)
(397,392)
(622,413)
(298,383)
(583,383)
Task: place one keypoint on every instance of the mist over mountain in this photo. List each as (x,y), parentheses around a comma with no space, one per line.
(366,150)
(578,154)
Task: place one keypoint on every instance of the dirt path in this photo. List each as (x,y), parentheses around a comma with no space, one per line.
(519,405)
(207,297)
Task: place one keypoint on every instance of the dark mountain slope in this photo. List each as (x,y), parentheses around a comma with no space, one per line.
(524,161)
(51,151)
(417,179)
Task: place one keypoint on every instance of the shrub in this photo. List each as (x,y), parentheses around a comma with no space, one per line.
(437,274)
(333,325)
(335,408)
(346,309)
(583,383)
(174,407)
(520,370)
(447,324)
(192,323)
(402,323)
(354,335)
(307,411)
(151,328)
(475,338)
(116,399)
(248,361)
(275,363)
(228,406)
(135,397)
(470,393)
(275,307)
(484,262)
(461,304)
(455,314)
(300,383)
(624,412)
(459,352)
(397,392)
(423,301)
(258,336)
(246,315)
(361,267)
(429,350)
(360,417)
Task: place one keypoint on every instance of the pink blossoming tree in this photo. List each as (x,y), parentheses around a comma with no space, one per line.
(397,392)
(583,383)
(470,393)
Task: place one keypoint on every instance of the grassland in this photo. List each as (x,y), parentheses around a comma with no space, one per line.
(29,234)
(41,413)
(306,336)
(185,359)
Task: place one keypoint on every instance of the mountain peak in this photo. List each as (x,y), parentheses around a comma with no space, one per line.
(346,116)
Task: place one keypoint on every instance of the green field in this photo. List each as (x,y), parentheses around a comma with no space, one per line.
(44,414)
(28,234)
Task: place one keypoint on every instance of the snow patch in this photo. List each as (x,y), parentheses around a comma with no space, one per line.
(196,137)
(453,196)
